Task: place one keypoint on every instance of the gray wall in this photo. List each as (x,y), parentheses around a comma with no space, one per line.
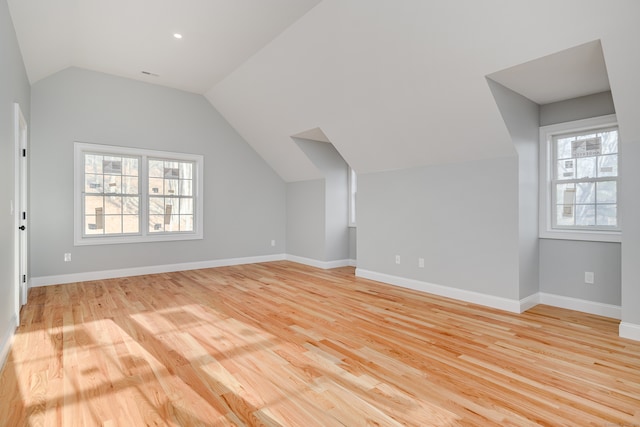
(14,87)
(336,172)
(563,263)
(461,218)
(599,104)
(562,267)
(630,206)
(306,219)
(521,117)
(244,200)
(353,243)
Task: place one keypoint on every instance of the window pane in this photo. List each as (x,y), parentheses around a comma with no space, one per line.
(130,205)
(186,170)
(565,215)
(156,223)
(172,223)
(93,183)
(564,148)
(586,167)
(608,165)
(113,184)
(607,192)
(156,168)
(113,205)
(186,222)
(130,224)
(156,186)
(93,163)
(186,187)
(156,205)
(585,193)
(171,187)
(91,203)
(130,166)
(113,224)
(607,215)
(186,206)
(112,165)
(129,185)
(585,215)
(609,142)
(90,226)
(566,169)
(565,194)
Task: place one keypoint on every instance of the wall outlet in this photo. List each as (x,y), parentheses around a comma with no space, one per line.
(397,259)
(67,257)
(273,243)
(421,262)
(589,277)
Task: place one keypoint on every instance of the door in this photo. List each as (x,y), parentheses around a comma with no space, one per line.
(21,197)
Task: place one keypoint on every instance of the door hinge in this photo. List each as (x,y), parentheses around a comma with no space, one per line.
(24,152)
(24,278)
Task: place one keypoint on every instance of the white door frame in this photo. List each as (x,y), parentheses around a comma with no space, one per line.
(20,209)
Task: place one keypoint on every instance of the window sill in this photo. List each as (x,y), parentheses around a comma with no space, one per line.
(115,240)
(590,236)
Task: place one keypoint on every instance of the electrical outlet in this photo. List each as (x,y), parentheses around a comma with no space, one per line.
(421,262)
(273,243)
(67,257)
(397,259)
(589,277)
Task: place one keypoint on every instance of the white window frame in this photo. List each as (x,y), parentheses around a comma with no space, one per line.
(353,191)
(80,148)
(546,229)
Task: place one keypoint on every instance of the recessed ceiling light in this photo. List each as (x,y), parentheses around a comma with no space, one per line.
(177,35)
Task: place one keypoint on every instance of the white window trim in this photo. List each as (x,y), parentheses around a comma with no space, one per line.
(353,192)
(198,160)
(546,231)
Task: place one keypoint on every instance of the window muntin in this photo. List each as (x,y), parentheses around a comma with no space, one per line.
(582,176)
(127,195)
(586,180)
(170,196)
(111,201)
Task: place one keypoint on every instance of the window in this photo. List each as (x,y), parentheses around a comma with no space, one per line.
(127,195)
(353,189)
(580,180)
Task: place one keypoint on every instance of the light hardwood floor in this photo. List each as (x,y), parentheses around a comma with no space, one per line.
(284,344)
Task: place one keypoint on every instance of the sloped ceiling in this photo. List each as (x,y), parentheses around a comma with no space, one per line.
(127,37)
(392,84)
(402,84)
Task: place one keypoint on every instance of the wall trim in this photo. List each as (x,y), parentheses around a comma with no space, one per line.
(7,340)
(630,331)
(591,307)
(325,265)
(529,302)
(500,303)
(152,269)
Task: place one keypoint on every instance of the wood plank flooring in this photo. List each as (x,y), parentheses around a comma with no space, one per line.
(280,344)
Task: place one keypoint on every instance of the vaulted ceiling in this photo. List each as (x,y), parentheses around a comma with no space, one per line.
(391,84)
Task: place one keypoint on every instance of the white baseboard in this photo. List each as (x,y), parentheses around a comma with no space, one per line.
(325,265)
(529,302)
(500,303)
(7,340)
(630,331)
(153,269)
(600,309)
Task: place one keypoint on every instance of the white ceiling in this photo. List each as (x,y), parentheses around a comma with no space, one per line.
(126,37)
(571,73)
(391,84)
